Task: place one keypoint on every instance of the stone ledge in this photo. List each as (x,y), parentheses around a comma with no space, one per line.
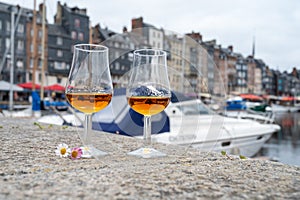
(31,170)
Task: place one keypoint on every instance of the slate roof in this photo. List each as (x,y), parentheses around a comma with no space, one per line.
(54,29)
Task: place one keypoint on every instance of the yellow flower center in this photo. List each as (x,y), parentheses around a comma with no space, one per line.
(63,151)
(74,154)
(146,150)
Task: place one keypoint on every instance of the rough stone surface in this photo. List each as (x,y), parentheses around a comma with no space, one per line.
(31,170)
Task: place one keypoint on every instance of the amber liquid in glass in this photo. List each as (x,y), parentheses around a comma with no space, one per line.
(148,105)
(89,102)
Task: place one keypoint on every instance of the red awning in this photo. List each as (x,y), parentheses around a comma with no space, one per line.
(287,98)
(251,97)
(268,97)
(29,85)
(55,87)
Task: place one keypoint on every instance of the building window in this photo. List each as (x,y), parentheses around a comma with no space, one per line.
(40,48)
(31,63)
(19,78)
(0,25)
(117,66)
(39,20)
(59,53)
(20,45)
(7,26)
(8,63)
(57,65)
(40,34)
(63,65)
(80,36)
(77,23)
(130,56)
(20,28)
(40,63)
(51,64)
(0,43)
(31,48)
(7,42)
(59,41)
(74,35)
(117,54)
(19,64)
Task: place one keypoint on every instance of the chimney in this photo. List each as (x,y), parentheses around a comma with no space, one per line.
(125,29)
(58,15)
(97,26)
(230,47)
(137,25)
(41,9)
(195,36)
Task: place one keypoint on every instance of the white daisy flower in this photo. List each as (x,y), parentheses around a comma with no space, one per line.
(62,150)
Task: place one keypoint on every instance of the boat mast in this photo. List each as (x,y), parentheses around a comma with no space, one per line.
(34,46)
(183,63)
(43,52)
(12,57)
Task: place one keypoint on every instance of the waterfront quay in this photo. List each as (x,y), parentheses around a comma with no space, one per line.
(31,170)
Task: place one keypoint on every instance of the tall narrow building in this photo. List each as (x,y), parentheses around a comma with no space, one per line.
(71,26)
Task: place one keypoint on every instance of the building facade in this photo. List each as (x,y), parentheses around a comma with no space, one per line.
(174,47)
(21,16)
(71,26)
(121,47)
(34,47)
(154,36)
(221,69)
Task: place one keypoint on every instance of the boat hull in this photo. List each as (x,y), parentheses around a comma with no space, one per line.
(215,133)
(281,108)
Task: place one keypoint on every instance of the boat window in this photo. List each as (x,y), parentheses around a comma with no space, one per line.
(195,109)
(204,110)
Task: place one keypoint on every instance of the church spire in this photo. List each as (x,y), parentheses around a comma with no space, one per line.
(253,46)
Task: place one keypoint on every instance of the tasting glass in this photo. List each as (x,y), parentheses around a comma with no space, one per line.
(89,87)
(148,92)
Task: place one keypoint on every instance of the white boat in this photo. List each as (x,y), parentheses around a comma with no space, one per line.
(262,117)
(194,125)
(188,123)
(24,111)
(284,108)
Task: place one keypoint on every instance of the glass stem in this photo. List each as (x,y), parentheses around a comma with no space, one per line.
(147,131)
(87,129)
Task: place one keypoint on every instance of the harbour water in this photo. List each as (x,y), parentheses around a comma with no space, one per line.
(284,146)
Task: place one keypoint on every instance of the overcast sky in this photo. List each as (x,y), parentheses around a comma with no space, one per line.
(275,24)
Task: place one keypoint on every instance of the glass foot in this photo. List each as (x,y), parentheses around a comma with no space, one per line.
(90,151)
(147,153)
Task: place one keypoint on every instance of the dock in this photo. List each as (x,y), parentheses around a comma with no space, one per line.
(31,170)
